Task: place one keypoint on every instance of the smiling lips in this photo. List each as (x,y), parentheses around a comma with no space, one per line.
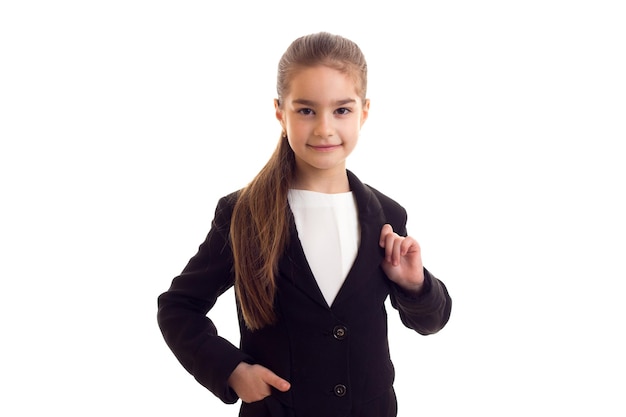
(324,148)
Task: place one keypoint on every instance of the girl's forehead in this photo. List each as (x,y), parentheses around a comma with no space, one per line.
(323,82)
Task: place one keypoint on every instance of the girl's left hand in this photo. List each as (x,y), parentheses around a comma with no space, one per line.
(403,259)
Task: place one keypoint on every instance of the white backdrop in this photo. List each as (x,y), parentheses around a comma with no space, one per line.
(498,125)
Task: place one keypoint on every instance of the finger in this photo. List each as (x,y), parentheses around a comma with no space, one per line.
(277,382)
(384,232)
(396,250)
(409,245)
(389,245)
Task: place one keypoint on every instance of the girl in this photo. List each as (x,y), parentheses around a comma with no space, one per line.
(313,254)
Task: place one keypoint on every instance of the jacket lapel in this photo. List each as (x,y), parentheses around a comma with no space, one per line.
(370,254)
(295,267)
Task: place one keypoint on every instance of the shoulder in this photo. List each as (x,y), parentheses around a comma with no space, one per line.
(224,211)
(375,203)
(388,203)
(393,210)
(229,201)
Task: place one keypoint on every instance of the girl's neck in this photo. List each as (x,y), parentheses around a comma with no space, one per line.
(322,182)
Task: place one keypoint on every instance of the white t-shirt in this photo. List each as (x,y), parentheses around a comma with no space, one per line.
(328,229)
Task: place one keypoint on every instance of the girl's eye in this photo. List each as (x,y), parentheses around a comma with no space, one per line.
(305,112)
(342,111)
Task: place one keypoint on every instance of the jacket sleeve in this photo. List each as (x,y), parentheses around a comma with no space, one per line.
(426,312)
(182,310)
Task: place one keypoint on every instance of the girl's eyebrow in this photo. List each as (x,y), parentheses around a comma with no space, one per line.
(310,103)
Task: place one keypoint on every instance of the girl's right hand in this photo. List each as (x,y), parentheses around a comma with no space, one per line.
(253,382)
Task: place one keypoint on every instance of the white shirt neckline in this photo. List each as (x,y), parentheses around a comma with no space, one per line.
(328,230)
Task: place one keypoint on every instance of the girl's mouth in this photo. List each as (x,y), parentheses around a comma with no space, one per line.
(325,148)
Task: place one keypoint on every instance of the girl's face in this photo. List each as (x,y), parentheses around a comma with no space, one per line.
(322,115)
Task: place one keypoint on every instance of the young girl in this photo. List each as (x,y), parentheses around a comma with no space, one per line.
(313,253)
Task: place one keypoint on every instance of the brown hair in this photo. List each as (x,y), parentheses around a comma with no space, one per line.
(259,227)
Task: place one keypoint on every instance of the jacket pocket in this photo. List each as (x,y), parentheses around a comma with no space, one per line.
(267,407)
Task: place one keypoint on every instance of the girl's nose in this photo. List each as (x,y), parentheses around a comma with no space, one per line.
(324,127)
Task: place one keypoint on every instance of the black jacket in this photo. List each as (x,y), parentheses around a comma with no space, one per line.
(336,358)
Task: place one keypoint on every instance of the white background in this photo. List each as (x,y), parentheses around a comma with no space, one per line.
(499,125)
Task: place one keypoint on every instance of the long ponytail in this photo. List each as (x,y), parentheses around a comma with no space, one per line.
(259,233)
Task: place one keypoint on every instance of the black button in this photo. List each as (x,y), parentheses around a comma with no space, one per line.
(340,390)
(340,332)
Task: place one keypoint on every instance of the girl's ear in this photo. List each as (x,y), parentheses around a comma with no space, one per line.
(366,111)
(279,113)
